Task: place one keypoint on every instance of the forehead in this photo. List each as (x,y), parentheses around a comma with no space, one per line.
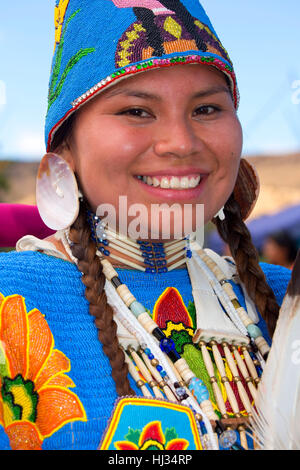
(197,75)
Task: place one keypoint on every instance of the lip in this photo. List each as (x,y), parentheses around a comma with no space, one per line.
(189,194)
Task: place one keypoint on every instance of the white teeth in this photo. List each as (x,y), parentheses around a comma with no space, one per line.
(174,182)
(184,183)
(155,182)
(164,183)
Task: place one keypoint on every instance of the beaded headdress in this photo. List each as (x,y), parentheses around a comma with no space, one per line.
(99,42)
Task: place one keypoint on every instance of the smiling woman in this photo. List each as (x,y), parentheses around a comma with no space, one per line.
(141,134)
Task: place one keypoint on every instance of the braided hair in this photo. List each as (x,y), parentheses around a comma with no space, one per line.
(89,264)
(235,233)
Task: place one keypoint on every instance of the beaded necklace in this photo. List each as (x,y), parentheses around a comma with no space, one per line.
(154,257)
(165,372)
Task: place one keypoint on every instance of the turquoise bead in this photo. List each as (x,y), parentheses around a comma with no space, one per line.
(137,308)
(199,389)
(254,331)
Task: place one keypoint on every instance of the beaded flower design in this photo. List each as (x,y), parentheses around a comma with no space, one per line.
(152,438)
(179,323)
(35,399)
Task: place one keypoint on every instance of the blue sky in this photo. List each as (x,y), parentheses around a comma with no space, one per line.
(261,36)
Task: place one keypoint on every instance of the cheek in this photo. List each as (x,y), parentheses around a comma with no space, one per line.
(228,149)
(105,159)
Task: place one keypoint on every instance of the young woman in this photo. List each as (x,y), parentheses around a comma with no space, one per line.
(112,341)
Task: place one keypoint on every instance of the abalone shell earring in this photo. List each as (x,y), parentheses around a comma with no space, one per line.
(57,194)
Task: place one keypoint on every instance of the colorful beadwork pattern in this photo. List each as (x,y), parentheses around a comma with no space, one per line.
(100,42)
(179,324)
(151,424)
(35,399)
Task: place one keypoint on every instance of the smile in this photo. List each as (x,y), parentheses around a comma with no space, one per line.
(171,182)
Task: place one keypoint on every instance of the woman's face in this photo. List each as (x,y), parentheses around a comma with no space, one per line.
(175,127)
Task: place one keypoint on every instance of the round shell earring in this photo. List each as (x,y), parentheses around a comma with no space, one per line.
(57,193)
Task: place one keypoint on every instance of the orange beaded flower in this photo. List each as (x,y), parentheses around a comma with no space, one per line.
(35,400)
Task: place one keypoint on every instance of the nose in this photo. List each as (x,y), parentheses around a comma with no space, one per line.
(176,137)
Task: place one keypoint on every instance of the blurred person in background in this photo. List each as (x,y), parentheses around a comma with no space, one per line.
(281,249)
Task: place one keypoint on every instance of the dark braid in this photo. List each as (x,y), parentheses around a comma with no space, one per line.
(84,249)
(235,233)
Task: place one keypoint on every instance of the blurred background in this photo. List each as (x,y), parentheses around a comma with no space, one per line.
(262,39)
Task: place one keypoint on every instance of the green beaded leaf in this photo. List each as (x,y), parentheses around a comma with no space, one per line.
(181,338)
(133,436)
(192,311)
(54,93)
(170,433)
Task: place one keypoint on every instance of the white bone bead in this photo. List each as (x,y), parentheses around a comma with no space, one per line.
(125,252)
(244,397)
(262,345)
(221,368)
(244,317)
(230,360)
(178,377)
(184,370)
(218,360)
(147,322)
(145,372)
(245,373)
(231,398)
(249,363)
(235,373)
(219,398)
(216,389)
(229,290)
(108,270)
(207,360)
(125,294)
(208,410)
(135,375)
(120,243)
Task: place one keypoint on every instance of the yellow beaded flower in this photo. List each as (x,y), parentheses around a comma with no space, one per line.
(59,16)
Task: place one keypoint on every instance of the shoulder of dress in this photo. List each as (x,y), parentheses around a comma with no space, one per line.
(278,279)
(31,272)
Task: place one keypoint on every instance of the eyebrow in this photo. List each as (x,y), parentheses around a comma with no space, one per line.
(146,95)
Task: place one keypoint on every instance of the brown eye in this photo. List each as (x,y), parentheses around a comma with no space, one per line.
(206,110)
(135,112)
